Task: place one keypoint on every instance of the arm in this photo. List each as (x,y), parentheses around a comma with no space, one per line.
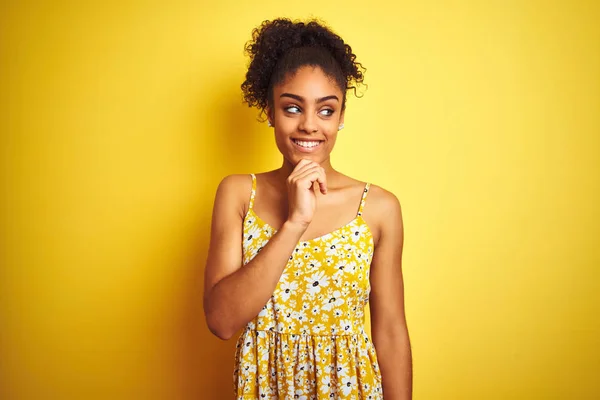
(388,321)
(233,294)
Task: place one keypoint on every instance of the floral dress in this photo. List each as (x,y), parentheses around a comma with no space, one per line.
(308,341)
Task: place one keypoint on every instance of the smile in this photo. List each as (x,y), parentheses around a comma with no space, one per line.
(307,146)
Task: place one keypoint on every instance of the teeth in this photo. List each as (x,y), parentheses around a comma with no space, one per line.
(306,144)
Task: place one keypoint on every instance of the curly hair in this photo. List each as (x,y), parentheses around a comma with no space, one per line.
(281,46)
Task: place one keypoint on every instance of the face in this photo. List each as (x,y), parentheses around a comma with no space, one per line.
(306,114)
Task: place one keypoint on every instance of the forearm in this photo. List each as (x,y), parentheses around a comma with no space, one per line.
(239,297)
(395,361)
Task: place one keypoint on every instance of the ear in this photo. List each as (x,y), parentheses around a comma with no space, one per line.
(269,114)
(342,116)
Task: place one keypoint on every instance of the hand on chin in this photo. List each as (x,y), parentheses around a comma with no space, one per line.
(296,159)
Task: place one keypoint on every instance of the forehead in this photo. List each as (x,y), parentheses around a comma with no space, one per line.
(309,82)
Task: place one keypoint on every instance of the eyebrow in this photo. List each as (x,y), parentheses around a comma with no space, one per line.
(300,98)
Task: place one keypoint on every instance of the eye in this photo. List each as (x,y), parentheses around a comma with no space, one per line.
(292,109)
(328,112)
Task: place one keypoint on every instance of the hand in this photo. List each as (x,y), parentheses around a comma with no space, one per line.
(302,198)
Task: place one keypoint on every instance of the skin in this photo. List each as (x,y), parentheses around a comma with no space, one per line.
(303,199)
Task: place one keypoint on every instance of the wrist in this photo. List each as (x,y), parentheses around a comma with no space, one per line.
(297,227)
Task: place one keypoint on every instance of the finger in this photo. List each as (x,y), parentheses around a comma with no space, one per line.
(307,172)
(302,163)
(314,174)
(323,184)
(300,169)
(322,180)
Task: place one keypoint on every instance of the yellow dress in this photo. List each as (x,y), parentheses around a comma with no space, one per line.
(308,341)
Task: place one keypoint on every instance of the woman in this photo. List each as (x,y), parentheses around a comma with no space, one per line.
(296,253)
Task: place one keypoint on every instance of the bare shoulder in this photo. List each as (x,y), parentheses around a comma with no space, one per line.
(235,190)
(383,200)
(383,211)
(379,199)
(236,181)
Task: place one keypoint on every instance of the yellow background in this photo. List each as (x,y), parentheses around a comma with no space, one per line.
(118,119)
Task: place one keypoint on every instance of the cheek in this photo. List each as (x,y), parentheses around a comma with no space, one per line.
(280,141)
(331,138)
(282,136)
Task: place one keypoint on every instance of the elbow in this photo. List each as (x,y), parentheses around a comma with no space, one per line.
(218,328)
(221,333)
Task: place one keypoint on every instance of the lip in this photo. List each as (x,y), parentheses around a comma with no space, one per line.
(307,149)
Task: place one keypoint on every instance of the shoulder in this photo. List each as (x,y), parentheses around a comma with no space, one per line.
(379,200)
(236,182)
(234,191)
(382,199)
(383,208)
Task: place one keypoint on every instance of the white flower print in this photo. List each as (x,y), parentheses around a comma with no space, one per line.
(314,264)
(326,383)
(340,268)
(334,300)
(342,370)
(358,232)
(333,246)
(351,267)
(280,327)
(247,346)
(348,247)
(253,233)
(305,330)
(251,369)
(329,369)
(263,354)
(345,326)
(347,384)
(317,281)
(283,277)
(299,316)
(287,288)
(262,242)
(318,329)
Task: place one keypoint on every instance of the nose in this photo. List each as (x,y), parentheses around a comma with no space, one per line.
(308,123)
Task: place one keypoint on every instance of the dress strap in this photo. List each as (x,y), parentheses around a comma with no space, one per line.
(253,193)
(363,199)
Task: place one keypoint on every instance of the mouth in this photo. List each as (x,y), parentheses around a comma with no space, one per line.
(307,146)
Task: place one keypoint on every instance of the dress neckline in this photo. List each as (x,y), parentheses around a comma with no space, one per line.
(318,238)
